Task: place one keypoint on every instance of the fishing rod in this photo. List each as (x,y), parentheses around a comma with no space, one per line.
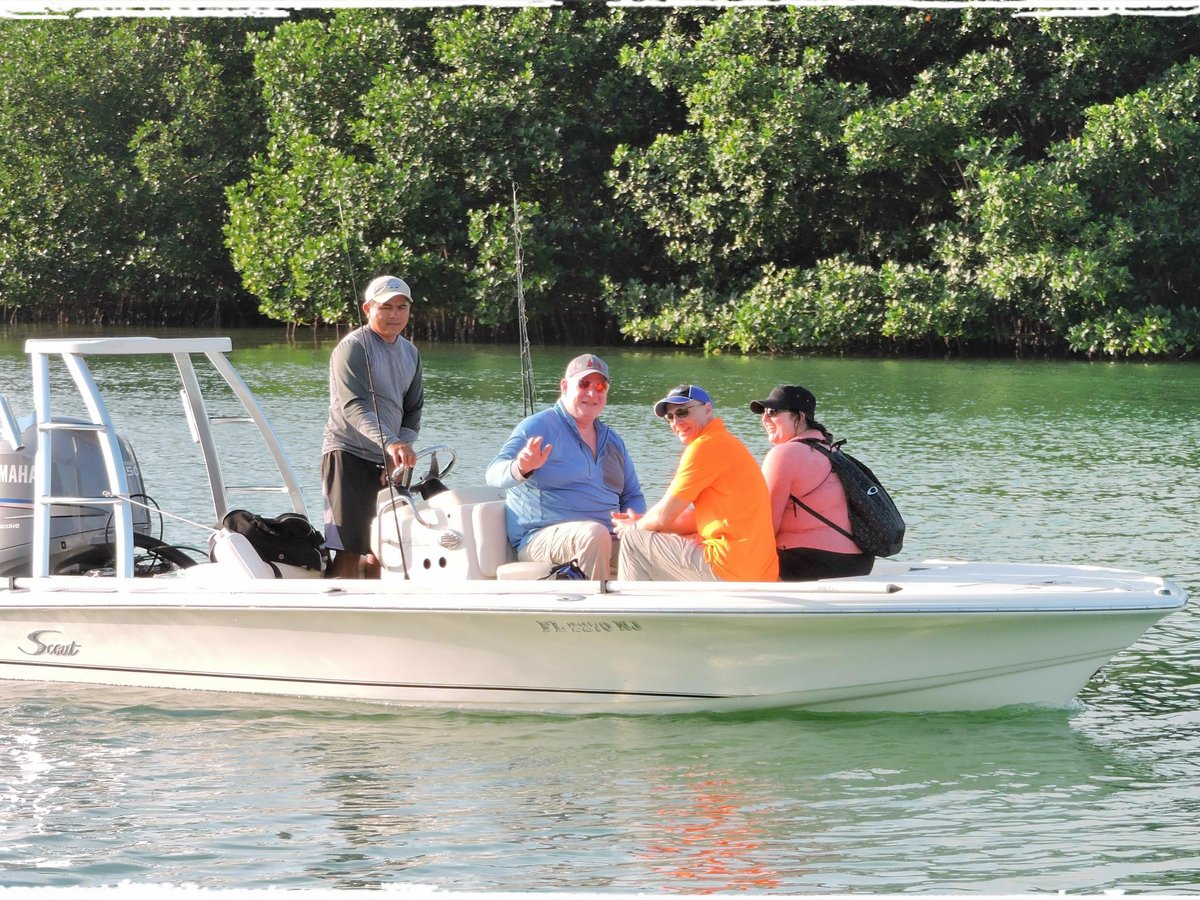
(522,319)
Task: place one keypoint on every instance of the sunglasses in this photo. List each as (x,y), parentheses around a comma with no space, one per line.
(599,385)
(682,413)
(773,413)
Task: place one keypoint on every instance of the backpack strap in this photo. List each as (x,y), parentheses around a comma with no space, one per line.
(812,512)
(827,449)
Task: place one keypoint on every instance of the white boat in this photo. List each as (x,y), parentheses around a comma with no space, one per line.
(455,622)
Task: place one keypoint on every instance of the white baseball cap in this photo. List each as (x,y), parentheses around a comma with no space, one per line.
(384,288)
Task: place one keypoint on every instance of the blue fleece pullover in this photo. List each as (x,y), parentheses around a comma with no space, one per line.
(573,485)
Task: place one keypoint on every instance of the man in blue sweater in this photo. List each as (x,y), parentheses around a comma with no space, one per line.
(565,473)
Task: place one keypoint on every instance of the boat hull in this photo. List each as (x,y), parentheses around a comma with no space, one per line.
(545,648)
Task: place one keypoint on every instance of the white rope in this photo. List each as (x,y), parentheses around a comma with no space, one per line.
(159,510)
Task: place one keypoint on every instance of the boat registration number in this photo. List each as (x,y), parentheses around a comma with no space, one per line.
(549,626)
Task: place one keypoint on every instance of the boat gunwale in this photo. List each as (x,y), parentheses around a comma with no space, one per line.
(575,599)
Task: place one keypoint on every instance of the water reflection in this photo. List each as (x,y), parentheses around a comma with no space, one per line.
(705,838)
(338,795)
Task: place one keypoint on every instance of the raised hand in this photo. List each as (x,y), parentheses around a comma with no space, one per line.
(533,456)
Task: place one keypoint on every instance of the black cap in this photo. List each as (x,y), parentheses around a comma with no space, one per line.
(788,397)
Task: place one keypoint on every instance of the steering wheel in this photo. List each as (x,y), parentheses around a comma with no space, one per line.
(428,471)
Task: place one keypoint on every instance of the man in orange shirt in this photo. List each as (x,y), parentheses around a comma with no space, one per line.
(714,522)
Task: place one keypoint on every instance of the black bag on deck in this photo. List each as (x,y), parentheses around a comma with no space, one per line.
(568,571)
(875,523)
(288,538)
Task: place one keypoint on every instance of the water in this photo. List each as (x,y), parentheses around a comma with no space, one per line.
(1050,462)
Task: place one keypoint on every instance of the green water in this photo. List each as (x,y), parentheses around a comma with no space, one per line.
(1011,461)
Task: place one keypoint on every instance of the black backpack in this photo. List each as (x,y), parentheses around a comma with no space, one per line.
(288,538)
(875,523)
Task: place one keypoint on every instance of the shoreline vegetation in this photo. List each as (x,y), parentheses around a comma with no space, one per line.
(854,181)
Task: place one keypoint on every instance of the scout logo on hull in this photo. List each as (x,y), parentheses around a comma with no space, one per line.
(44,646)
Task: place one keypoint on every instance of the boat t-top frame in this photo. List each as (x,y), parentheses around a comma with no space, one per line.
(200,423)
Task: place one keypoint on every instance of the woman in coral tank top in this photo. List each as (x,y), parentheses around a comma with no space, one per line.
(808,548)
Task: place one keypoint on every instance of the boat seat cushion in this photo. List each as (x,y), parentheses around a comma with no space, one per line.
(529,571)
(492,549)
(237,556)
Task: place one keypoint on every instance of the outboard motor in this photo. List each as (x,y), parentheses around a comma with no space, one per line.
(81,536)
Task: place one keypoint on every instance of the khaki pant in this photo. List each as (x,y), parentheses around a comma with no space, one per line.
(589,544)
(655,556)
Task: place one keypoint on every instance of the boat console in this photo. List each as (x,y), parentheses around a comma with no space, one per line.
(457,535)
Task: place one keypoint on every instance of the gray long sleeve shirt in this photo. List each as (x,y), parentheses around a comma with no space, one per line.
(359,423)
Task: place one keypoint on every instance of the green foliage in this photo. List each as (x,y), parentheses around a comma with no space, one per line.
(753,180)
(1153,331)
(185,159)
(978,185)
(310,225)
(491,233)
(836,305)
(454,112)
(942,111)
(830,306)
(685,317)
(296,252)
(1028,252)
(116,141)
(1138,159)
(758,179)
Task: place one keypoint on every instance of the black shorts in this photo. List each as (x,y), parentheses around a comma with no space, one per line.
(807,564)
(351,487)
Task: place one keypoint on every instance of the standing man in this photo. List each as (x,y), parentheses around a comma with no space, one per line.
(714,523)
(565,473)
(375,399)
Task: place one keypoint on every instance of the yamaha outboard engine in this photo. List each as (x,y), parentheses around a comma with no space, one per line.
(81,536)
